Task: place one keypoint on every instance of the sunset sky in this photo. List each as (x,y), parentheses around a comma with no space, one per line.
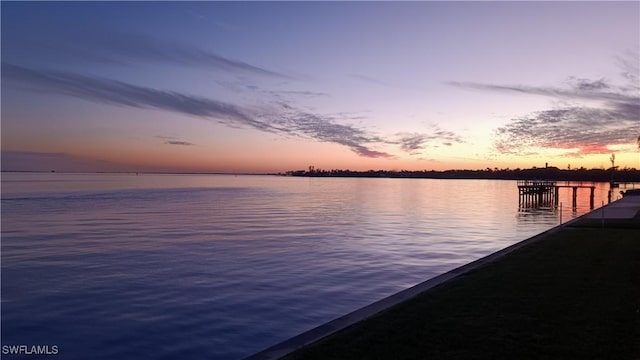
(277,86)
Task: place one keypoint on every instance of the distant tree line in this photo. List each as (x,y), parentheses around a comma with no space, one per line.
(546,173)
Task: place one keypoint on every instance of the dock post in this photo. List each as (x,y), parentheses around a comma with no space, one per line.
(556,195)
(560,213)
(575,197)
(591,197)
(541,193)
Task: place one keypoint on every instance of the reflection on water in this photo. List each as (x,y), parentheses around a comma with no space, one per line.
(195,266)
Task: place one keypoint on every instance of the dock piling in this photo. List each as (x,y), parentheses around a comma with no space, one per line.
(545,193)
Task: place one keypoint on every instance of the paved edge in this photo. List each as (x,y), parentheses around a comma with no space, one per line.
(286,347)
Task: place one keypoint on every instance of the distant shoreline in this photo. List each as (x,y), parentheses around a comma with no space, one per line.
(548,173)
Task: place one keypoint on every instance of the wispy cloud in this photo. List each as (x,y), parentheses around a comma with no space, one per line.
(630,69)
(176,142)
(412,143)
(302,93)
(123,94)
(172,140)
(598,114)
(286,120)
(146,48)
(240,86)
(324,128)
(114,47)
(581,84)
(579,130)
(577,92)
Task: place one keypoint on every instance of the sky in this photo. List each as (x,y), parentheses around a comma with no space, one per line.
(275,86)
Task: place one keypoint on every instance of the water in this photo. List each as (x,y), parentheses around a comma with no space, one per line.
(121,266)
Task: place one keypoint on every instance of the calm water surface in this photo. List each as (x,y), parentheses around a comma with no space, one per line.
(110,266)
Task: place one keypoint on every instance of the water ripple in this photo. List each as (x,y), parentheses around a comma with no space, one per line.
(218,267)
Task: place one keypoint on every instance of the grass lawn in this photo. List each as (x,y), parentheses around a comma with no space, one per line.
(573,295)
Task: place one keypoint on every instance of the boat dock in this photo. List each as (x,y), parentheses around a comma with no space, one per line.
(545,193)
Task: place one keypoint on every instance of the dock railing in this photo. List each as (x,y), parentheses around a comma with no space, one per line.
(536,183)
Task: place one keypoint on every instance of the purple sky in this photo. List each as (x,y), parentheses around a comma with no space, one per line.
(276,86)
